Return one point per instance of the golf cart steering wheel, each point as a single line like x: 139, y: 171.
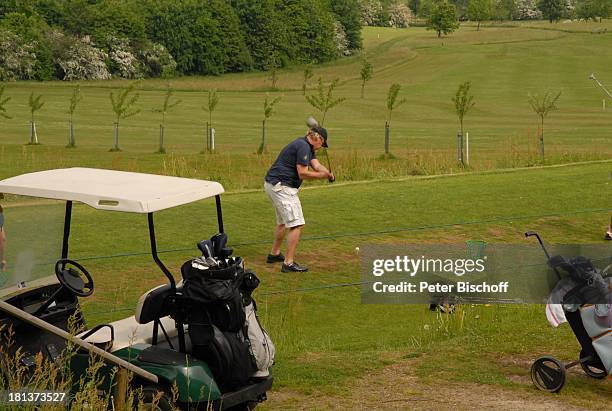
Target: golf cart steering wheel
x: 71, y: 277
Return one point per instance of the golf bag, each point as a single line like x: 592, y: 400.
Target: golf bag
x: 587, y: 305
x: 222, y: 322
x: 262, y: 348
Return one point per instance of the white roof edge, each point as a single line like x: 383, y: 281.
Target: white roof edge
x: 112, y: 190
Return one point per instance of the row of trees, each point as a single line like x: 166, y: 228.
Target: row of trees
x: 442, y: 16
x: 123, y: 103
x: 390, y: 12
x: 100, y: 39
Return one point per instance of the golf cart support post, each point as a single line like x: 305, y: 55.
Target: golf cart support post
x: 113, y: 191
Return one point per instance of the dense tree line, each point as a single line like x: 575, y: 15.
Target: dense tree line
x: 552, y: 10
x: 99, y: 39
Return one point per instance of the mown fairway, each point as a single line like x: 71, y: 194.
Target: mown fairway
x: 503, y: 63
x: 328, y: 342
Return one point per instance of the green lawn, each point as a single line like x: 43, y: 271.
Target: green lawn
x: 326, y: 339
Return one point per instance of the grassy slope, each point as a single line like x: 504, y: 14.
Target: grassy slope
x: 326, y: 338
x: 503, y: 63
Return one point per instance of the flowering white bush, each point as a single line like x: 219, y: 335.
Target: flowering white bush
x: 123, y: 62
x: 527, y: 10
x: 83, y: 61
x: 399, y: 15
x: 340, y: 39
x: 157, y: 61
x: 17, y: 58
x: 371, y: 11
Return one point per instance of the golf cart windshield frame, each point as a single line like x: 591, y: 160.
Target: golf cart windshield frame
x: 152, y: 237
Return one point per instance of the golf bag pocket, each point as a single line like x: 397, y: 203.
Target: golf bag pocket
x: 228, y: 315
x: 227, y: 355
x: 603, y: 347
x: 262, y: 348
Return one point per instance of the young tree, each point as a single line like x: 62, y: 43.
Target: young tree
x: 273, y: 66
x: 392, y: 103
x: 479, y: 11
x: 307, y: 76
x: 268, y: 111
x: 324, y: 101
x: 166, y: 106
x: 35, y: 104
x: 74, y: 100
x: 542, y: 106
x: 442, y: 18
x: 3, y: 101
x: 463, y: 103
x: 366, y: 73
x: 122, y: 104
x: 213, y: 100
x: 552, y: 9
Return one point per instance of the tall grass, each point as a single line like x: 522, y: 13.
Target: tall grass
x: 57, y: 376
x: 246, y: 171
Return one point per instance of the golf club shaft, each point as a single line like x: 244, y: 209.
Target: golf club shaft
x: 329, y: 165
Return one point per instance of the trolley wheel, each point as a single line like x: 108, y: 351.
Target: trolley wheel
x: 593, y: 372
x: 548, y: 374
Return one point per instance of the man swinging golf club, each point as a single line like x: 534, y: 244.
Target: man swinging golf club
x: 282, y: 183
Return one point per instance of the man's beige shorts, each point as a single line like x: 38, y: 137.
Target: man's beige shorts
x: 286, y: 204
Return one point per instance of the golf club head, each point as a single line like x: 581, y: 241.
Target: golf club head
x: 592, y: 76
x: 206, y: 247
x: 311, y: 122
x: 530, y: 233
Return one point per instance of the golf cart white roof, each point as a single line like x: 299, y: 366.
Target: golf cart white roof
x: 112, y: 190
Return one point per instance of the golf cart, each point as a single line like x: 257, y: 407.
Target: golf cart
x: 157, y: 342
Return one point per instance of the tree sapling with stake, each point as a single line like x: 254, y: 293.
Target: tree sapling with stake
x: 324, y: 101
x: 392, y: 103
x: 122, y: 103
x: 3, y: 101
x: 74, y: 101
x: 268, y: 111
x: 542, y: 106
x: 366, y: 73
x: 463, y: 103
x: 213, y: 100
x: 35, y: 104
x: 307, y: 76
x: 164, y: 110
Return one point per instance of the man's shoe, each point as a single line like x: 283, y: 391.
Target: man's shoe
x: 608, y: 236
x: 293, y: 268
x: 279, y: 258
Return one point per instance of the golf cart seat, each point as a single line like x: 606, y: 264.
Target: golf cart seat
x: 152, y: 314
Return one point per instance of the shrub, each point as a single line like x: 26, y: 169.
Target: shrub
x: 371, y: 12
x: 348, y: 12
x: 33, y: 32
x: 340, y: 40
x: 17, y: 58
x: 399, y: 15
x: 123, y: 63
x: 83, y: 61
x: 527, y: 10
x: 157, y: 61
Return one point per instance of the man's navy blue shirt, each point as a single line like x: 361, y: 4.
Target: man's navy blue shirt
x: 284, y: 169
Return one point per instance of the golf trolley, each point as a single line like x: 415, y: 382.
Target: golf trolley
x: 157, y: 343
x: 587, y: 305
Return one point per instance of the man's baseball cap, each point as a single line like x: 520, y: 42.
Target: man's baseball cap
x: 322, y: 132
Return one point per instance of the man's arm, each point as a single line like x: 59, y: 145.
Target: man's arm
x: 317, y: 166
x: 306, y: 174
